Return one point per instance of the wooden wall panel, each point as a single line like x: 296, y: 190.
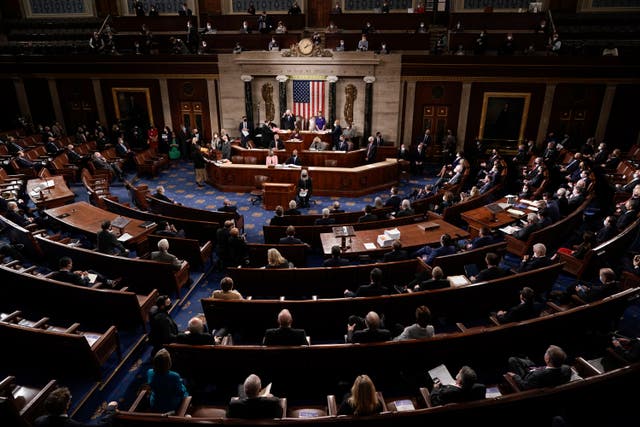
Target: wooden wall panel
x: 477, y: 96
x: 9, y: 110
x: 154, y: 93
x: 39, y: 99
x: 78, y: 102
x: 576, y: 108
x: 623, y: 128
x: 189, y: 90
x: 436, y: 94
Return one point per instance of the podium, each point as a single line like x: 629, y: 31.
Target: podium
x: 344, y: 232
x: 277, y: 193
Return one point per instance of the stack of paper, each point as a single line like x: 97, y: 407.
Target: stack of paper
x: 515, y: 212
x: 124, y: 237
x: 509, y: 229
x: 385, y: 241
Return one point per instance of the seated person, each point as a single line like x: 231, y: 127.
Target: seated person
x: 465, y: 389
x: 276, y: 260
x: 533, y: 224
x: 326, y: 218
x: 108, y: 243
x: 372, y: 332
x: 336, y: 259
x: 528, y: 376
x: 363, y: 399
x: 397, y: 254
x: 493, y: 271
x: 394, y: 200
x: 79, y: 278
x: 272, y: 158
x: 374, y: 288
x: 368, y: 215
x: 428, y: 253
x: 163, y: 255
x: 278, y: 218
x: 607, y: 285
x: 57, y: 405
x: 437, y: 281
x: 226, y: 290
x: 291, y: 238
x: 167, y: 388
x: 294, y: 159
x: 227, y: 206
x: 167, y: 229
x: 318, y: 144
x: 405, y: 209
x: 195, y: 333
x: 292, y: 208
x: 524, y: 310
x: 19, y: 216
x: 336, y: 208
x: 538, y: 260
x: 252, y: 404
x: 447, y: 200
x: 485, y: 238
x: 421, y: 329
x: 285, y: 334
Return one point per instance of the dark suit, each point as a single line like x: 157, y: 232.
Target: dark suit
x: 324, y: 221
x: 394, y: 201
x: 534, y: 263
x: 541, y: 376
x: 480, y: 242
x: 166, y: 257
x: 367, y: 218
x: 109, y: 244
x: 335, y: 262
x: 195, y: 339
x: 606, y: 233
x: 491, y: 273
x: 399, y: 255
x: 288, y: 122
x: 255, y: 408
x: 448, y: 393
x: 285, y: 336
x: 525, y: 232
x: 522, y: 311
x: 290, y: 240
x: 371, y: 290
x: 70, y: 277
x: 434, y: 284
x: 628, y: 187
x: 293, y: 161
x: 371, y: 335
x: 372, y: 149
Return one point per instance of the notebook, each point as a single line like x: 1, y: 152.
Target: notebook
x: 441, y: 373
x: 404, y: 405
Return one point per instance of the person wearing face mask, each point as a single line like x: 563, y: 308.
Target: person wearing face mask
x: 422, y: 28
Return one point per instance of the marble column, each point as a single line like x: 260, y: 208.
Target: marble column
x: 213, y: 105
x: 166, y: 103
x: 332, y: 100
x: 21, y: 96
x: 282, y: 93
x: 55, y: 100
x: 605, y: 112
x: 368, y: 106
x: 248, y: 98
x: 409, y: 106
x: 461, y: 132
x: 545, y: 116
x: 97, y: 94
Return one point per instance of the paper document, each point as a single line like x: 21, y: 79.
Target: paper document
x: 404, y: 405
x: 441, y: 373
x: 510, y: 229
x: 459, y: 280
x: 266, y: 390
x: 92, y: 277
x: 369, y: 246
x: 493, y: 392
x: 124, y: 237
x: 515, y: 212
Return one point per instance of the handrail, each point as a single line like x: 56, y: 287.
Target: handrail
x: 553, y: 25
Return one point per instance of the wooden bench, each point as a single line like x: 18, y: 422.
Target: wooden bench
x: 141, y: 275
x: 21, y: 235
x: 249, y: 318
x: 64, y: 301
x: 491, y: 346
x: 69, y: 350
x: 311, y: 233
x: 187, y: 212
x: 203, y: 231
x: 454, y: 264
x: 340, y: 218
x: 26, y: 402
x: 552, y: 236
x: 323, y: 282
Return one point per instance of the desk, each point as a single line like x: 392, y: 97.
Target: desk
x: 483, y: 217
x: 87, y: 219
x: 411, y: 237
x: 276, y: 193
x: 56, y: 195
x: 327, y: 181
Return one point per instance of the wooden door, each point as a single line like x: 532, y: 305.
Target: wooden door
x: 318, y: 12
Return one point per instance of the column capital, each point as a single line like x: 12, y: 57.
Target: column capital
x: 246, y: 78
x: 332, y: 79
x: 369, y: 79
x: 282, y: 78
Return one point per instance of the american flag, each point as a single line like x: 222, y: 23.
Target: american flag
x: 308, y: 97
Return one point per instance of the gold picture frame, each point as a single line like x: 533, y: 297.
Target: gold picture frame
x: 504, y: 116
x: 133, y: 104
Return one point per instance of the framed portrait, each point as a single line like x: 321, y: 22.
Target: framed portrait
x: 504, y: 116
x: 132, y: 105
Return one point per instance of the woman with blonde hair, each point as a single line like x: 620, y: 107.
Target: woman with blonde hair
x: 362, y: 400
x: 276, y: 260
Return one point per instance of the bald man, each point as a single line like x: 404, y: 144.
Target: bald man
x: 195, y: 333
x: 285, y: 334
x: 373, y: 332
